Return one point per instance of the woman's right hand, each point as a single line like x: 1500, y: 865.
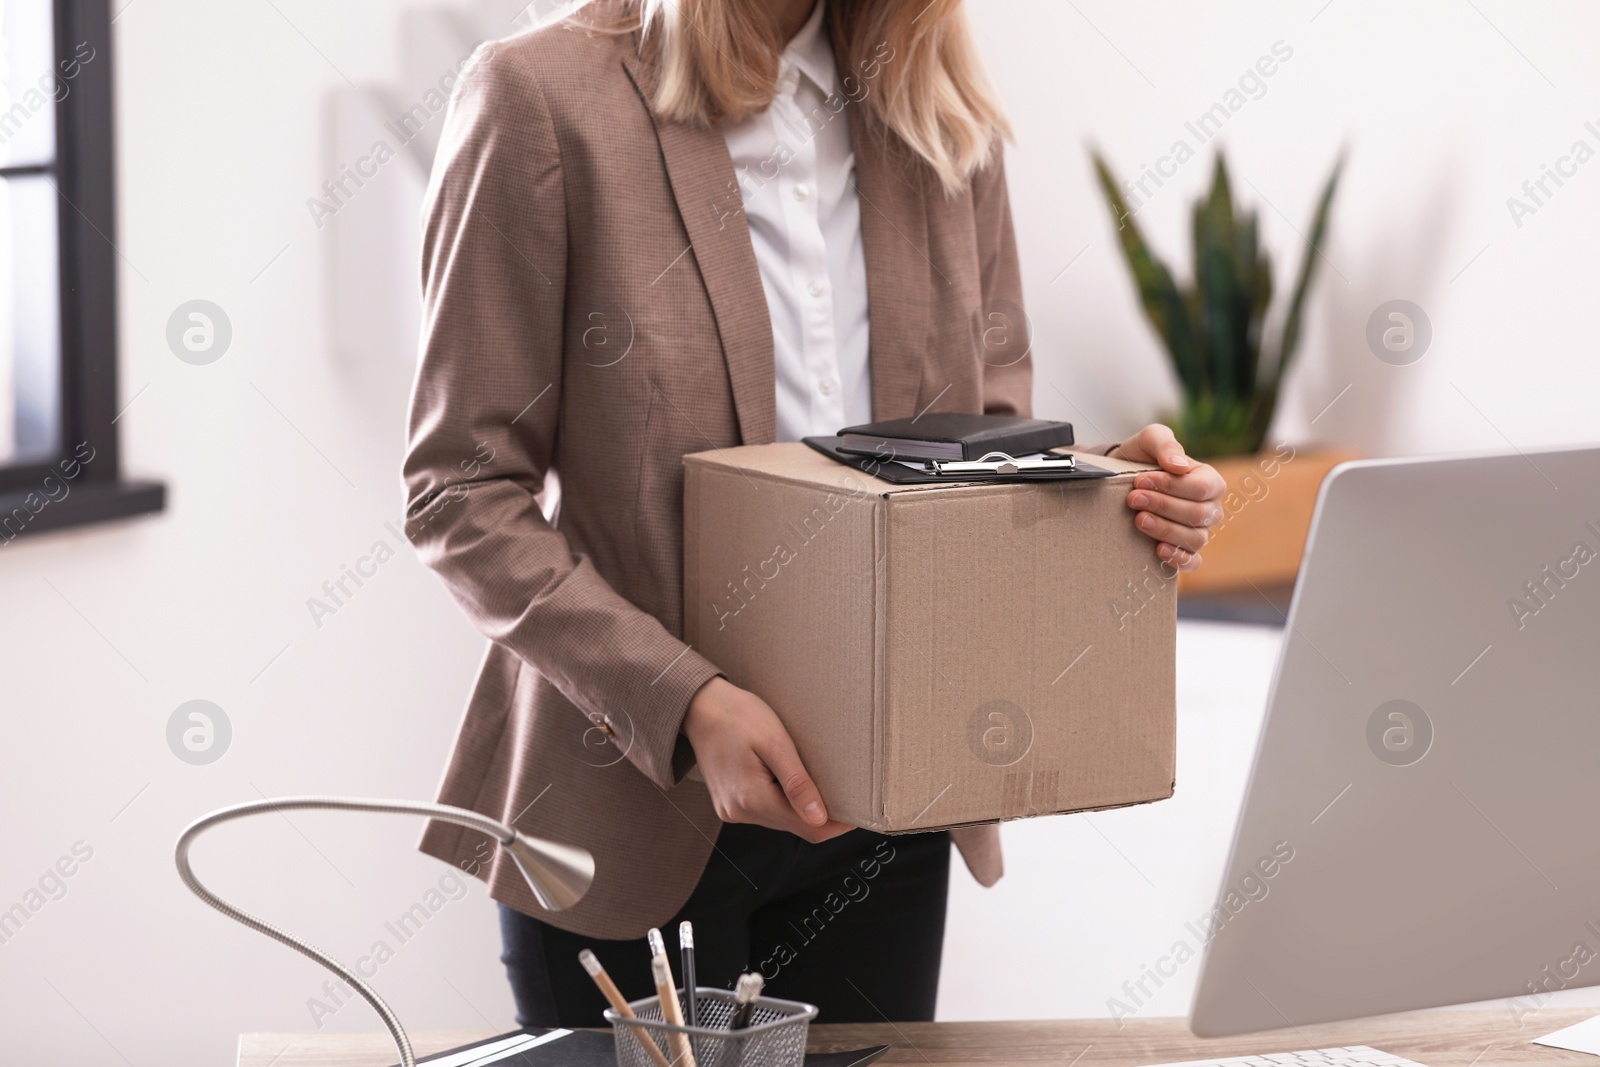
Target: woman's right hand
x: 750, y: 764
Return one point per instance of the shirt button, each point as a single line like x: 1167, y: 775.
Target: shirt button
x: 826, y: 386
x: 802, y: 192
x: 816, y: 289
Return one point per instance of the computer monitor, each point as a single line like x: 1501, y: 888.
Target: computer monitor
x: 1422, y: 823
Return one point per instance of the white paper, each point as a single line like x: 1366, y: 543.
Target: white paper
x: 496, y: 1050
x: 1584, y: 1037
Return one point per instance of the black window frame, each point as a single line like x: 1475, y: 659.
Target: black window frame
x: 83, y: 172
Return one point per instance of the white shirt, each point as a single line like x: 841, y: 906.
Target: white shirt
x: 796, y: 173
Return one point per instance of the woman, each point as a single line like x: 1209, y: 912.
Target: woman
x: 752, y: 221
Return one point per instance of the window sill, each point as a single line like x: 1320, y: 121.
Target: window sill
x: 84, y: 505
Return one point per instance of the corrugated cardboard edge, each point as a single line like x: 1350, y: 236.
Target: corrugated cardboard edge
x: 880, y: 658
x: 1171, y: 792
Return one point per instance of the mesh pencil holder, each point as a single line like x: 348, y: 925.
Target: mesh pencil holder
x: 776, y: 1036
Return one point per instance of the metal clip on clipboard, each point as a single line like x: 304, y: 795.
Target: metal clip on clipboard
x: 1000, y: 463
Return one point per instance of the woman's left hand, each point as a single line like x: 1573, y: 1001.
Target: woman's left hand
x: 1176, y: 505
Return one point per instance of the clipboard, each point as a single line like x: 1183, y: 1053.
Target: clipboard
x: 916, y: 472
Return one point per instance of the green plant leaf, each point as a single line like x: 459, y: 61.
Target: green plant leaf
x: 1222, y: 303
x: 1214, y: 330
x: 1254, y: 267
x: 1290, y: 342
x: 1208, y: 426
x: 1163, y: 304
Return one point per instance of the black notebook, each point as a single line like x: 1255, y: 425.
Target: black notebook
x: 586, y: 1048
x: 951, y: 435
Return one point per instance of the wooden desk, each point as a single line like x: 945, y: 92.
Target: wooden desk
x: 1436, y: 1039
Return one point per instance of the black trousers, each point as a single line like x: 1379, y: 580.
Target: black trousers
x: 854, y: 925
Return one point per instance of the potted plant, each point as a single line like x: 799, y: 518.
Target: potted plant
x: 1230, y: 373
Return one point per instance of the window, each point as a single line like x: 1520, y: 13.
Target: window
x: 59, y: 460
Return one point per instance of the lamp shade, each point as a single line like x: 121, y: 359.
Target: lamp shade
x: 558, y: 874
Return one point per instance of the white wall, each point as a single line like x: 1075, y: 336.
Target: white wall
x: 281, y: 459
x: 1446, y: 108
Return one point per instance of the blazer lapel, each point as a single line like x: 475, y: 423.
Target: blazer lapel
x: 707, y: 192
x: 894, y: 236
x: 900, y: 277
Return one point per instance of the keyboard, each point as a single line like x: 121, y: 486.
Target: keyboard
x: 1354, y: 1056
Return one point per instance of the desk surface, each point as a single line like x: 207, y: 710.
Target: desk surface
x: 1436, y: 1039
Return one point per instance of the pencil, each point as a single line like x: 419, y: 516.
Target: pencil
x: 686, y: 947
x: 682, y: 1054
x: 671, y: 1012
x: 619, y: 1004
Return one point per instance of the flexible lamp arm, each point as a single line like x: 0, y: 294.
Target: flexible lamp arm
x: 559, y: 875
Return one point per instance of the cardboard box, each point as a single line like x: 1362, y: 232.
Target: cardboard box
x: 943, y: 654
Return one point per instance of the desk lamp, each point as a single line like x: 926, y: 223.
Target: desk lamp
x: 559, y: 876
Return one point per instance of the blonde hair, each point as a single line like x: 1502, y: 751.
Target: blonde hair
x: 910, y: 64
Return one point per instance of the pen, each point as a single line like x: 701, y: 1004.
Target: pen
x: 671, y: 1013
x: 619, y: 1004
x: 686, y: 946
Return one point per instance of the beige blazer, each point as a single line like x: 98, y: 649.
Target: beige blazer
x: 594, y: 312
